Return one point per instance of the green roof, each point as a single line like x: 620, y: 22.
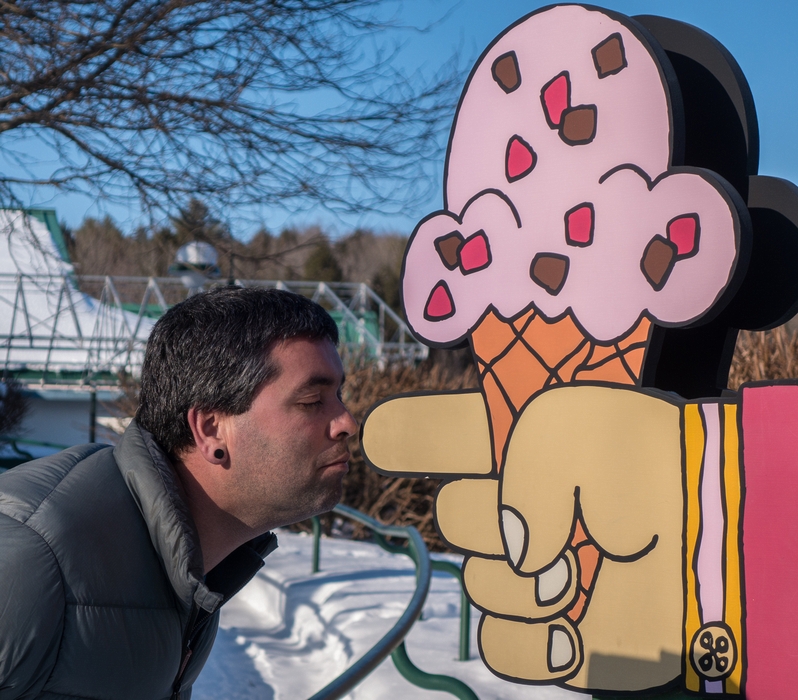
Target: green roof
x: 50, y: 220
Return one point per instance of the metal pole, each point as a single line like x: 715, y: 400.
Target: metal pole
x: 465, y: 626
x: 93, y: 415
x: 316, y: 542
x: 465, y: 606
x: 430, y: 681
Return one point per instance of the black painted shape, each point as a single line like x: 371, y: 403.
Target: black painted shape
x: 693, y: 362
x: 773, y: 269
x: 685, y: 40
x: 715, y: 137
x: 721, y: 134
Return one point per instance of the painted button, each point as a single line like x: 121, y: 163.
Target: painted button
x: 713, y: 652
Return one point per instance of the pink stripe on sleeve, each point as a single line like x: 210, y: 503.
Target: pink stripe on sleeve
x: 710, y: 548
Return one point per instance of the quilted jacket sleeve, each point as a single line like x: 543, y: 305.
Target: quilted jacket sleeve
x: 31, y: 610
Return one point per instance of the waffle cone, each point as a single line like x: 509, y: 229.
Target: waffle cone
x: 518, y: 359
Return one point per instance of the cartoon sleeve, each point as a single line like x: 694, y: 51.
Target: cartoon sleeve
x: 31, y: 611
x: 770, y: 538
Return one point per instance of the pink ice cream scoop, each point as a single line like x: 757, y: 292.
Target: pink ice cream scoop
x: 560, y: 194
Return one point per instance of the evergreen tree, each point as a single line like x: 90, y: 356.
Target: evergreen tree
x: 321, y: 265
x: 195, y: 223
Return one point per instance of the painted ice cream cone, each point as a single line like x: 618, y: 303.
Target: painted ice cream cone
x: 566, y: 232
x: 518, y: 359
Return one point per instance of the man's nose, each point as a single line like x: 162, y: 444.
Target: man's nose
x: 344, y: 425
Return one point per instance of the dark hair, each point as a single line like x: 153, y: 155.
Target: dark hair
x: 211, y: 352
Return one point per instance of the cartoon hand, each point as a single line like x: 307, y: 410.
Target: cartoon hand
x: 609, y: 455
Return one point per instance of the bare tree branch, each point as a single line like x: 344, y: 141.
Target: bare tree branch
x: 275, y: 102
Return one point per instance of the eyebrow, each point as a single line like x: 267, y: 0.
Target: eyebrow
x: 321, y: 380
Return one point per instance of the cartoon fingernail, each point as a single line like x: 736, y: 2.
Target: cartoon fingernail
x: 515, y: 536
x: 553, y: 582
x: 561, y: 648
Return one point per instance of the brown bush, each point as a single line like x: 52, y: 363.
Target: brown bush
x: 764, y: 355
x: 400, y: 501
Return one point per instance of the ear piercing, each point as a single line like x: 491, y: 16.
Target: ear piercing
x: 219, y: 454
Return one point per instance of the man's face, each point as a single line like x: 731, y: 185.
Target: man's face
x: 288, y: 452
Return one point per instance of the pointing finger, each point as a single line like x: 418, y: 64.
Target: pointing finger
x: 429, y: 434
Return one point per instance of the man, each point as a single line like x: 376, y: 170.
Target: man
x: 114, y: 562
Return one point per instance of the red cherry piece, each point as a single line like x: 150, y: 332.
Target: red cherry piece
x: 683, y: 233
x: 555, y: 99
x: 474, y: 253
x: 579, y: 225
x: 520, y: 158
x: 439, y: 304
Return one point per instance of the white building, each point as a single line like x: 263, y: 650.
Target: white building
x: 66, y: 347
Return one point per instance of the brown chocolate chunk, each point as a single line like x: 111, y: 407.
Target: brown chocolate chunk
x: 447, y: 247
x: 578, y: 125
x: 609, y: 57
x: 550, y: 271
x: 658, y: 261
x: 506, y: 72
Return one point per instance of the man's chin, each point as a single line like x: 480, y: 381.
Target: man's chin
x: 330, y: 498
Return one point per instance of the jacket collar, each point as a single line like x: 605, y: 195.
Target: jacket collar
x: 154, y: 485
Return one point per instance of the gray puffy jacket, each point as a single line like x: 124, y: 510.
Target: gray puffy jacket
x: 101, y: 587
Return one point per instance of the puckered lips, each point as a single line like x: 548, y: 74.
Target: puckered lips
x: 341, y: 460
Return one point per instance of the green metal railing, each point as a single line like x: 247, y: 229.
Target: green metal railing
x: 393, y: 642
x: 24, y: 441
x: 465, y: 606
x: 446, y: 567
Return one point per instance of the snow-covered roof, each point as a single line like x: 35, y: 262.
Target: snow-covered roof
x: 47, y: 325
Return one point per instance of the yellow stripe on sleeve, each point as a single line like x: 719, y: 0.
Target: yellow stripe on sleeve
x: 733, y: 613
x: 694, y: 455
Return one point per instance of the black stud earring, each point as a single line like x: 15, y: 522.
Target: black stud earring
x: 219, y: 454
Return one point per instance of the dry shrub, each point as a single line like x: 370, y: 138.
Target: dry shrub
x: 399, y: 501
x: 764, y: 355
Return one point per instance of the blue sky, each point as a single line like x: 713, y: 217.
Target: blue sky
x: 761, y: 37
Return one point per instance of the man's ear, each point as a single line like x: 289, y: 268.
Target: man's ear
x: 208, y: 429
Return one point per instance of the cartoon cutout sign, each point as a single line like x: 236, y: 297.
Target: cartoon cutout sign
x: 603, y: 525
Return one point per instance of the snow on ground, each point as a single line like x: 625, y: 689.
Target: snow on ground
x: 289, y: 632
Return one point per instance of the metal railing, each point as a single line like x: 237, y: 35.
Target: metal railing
x: 393, y: 641
x: 85, y: 330
x: 399, y: 654
x: 446, y: 567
